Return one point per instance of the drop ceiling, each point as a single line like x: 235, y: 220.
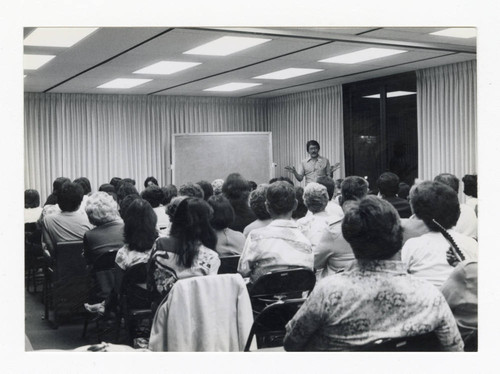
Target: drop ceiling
x: 110, y: 53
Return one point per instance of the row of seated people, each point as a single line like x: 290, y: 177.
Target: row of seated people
x: 268, y: 238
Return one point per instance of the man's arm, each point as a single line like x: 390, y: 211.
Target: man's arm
x: 299, y: 174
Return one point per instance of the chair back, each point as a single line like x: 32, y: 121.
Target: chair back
x: 229, y: 264
x: 105, y: 261
x: 419, y: 343
x: 69, y: 261
x: 104, y: 275
x: 203, y: 314
x: 282, y: 283
x: 269, y: 326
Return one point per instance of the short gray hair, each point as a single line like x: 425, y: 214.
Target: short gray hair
x: 101, y: 208
x: 315, y: 197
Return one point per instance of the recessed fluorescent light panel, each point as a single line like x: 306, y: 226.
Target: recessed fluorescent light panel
x: 226, y: 45
x: 391, y: 94
x: 232, y: 87
x: 124, y: 83
x: 33, y: 62
x: 57, y: 36
x: 288, y: 73
x: 166, y: 67
x: 363, y: 55
x: 457, y: 32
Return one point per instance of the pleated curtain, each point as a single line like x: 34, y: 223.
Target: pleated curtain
x: 447, y: 131
x: 294, y: 119
x: 101, y: 136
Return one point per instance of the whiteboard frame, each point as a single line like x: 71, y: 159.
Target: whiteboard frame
x: 270, y: 148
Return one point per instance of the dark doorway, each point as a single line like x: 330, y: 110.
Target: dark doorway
x: 380, y: 127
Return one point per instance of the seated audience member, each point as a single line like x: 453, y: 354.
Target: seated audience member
x: 188, y: 252
x: 301, y: 210
x: 281, y: 179
x: 150, y: 181
x: 69, y: 224
x: 470, y: 191
x: 333, y: 253
x: 169, y: 193
x: 128, y: 180
x: 467, y: 221
x: 403, y: 190
x: 425, y: 256
x: 102, y: 211
x: 257, y: 202
x: 32, y: 208
x: 56, y: 188
x: 125, y: 203
x: 413, y: 226
x: 252, y: 185
x: 336, y: 195
x: 87, y: 189
x: 107, y: 187
x: 388, y: 187
x: 207, y: 188
x: 333, y: 208
x: 154, y: 195
x: 460, y: 291
x: 375, y: 297
x: 236, y: 190
x: 124, y: 190
x: 281, y: 244
x: 115, y: 182
x: 217, y: 186
x: 229, y: 242
x: 191, y: 190
x: 316, y: 200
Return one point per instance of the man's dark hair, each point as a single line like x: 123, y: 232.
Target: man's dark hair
x: 150, y: 179
x: 153, y: 195
x: 85, y: 184
x: 388, y: 184
x: 236, y: 187
x: 70, y: 197
x: 353, y: 188
x: 470, y: 185
x: 207, y: 188
x: 311, y: 142
x: 329, y: 183
x: 31, y: 199
x: 280, y: 198
x: 281, y: 179
x: 115, y: 182
x: 449, y: 180
x: 107, y: 187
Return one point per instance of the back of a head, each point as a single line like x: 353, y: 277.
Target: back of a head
x: 223, y: 212
x: 115, y: 182
x: 140, y: 225
x: 404, y: 190
x: 58, y: 184
x: 329, y: 183
x: 257, y: 202
x: 449, y: 180
x: 252, y: 185
x: 169, y: 192
x: 353, y: 188
x: 435, y: 200
x: 388, y: 184
x: 281, y: 179
x: 101, y: 208
x: 153, y: 195
x: 125, y: 203
x: 172, y: 206
x: 125, y: 190
x: 207, y: 188
x: 190, y: 189
x: 470, y: 185
x: 31, y: 199
x: 280, y: 198
x: 70, y: 197
x: 128, y: 180
x: 301, y: 210
x: 315, y: 197
x: 150, y: 181
x: 235, y: 187
x: 372, y: 228
x: 107, y: 187
x: 85, y: 183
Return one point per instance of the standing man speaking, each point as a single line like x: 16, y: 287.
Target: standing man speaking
x: 314, y: 166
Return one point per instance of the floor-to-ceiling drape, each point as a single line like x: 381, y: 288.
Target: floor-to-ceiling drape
x: 101, y: 136
x: 295, y: 119
x: 447, y: 132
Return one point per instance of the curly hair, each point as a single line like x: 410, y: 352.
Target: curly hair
x: 207, y: 188
x: 140, y: 226
x: 153, y: 195
x: 169, y: 192
x: 223, y: 212
x: 280, y: 198
x: 191, y: 227
x: 191, y: 190
x: 31, y: 199
x: 373, y: 229
x: 236, y: 187
x: 435, y: 200
x: 258, y: 202
x: 101, y: 208
x: 315, y: 197
x: 217, y: 186
x: 388, y: 184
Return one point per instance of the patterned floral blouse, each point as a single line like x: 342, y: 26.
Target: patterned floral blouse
x: 369, y: 301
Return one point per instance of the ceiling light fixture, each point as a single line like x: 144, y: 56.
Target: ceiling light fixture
x: 33, y: 62
x: 124, y: 83
x: 362, y: 55
x: 457, y: 32
x: 391, y: 94
x: 57, y: 36
x: 166, y: 67
x: 235, y: 86
x: 288, y: 73
x: 226, y: 45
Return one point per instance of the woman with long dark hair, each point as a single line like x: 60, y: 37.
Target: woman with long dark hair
x: 188, y: 252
